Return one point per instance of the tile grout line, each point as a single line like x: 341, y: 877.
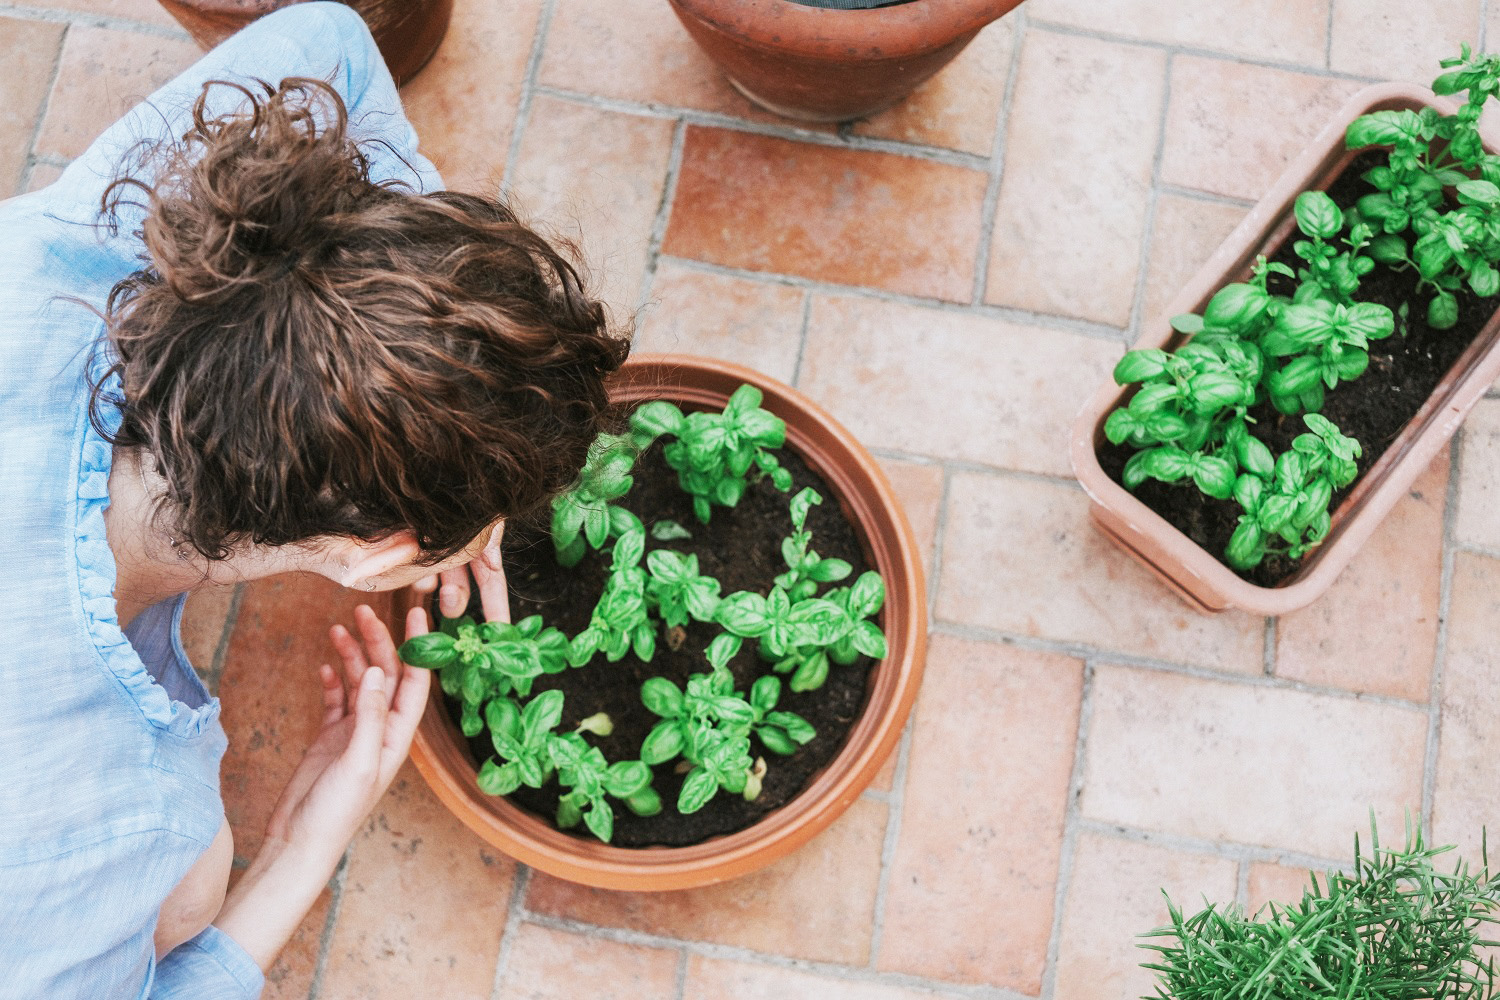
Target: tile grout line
x: 1268, y: 652
x: 998, y: 144
x: 1440, y: 649
x: 1068, y: 850
x: 731, y: 123
x: 1080, y: 650
x: 1242, y: 884
x: 87, y: 20
x: 807, y: 298
x: 1201, y: 53
x: 515, y: 914
x: 966, y: 465
x: 680, y: 987
x: 663, y: 217
x: 42, y: 110
x: 1153, y: 194
x: 325, y: 939
x: 1228, y: 849
x: 736, y: 953
x: 1211, y: 197
x: 221, y: 650
x: 895, y: 803
x: 1082, y: 327
x: 1484, y: 19
x: 1328, y: 38
x: 528, y: 90
x: 1476, y: 550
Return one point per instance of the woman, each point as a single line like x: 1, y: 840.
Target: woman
x: 291, y: 352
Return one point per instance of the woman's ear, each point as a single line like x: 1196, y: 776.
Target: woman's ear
x: 360, y: 565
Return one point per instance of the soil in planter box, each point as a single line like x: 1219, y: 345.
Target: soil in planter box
x: 1372, y: 409
x: 741, y: 548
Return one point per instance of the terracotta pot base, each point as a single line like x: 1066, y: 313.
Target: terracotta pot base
x: 440, y: 751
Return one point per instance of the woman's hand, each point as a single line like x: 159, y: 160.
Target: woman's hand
x: 453, y: 585
x: 370, y: 713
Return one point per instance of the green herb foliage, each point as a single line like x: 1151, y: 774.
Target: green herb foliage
x: 586, y: 516
x: 1188, y: 422
x: 715, y: 453
x: 1395, y: 928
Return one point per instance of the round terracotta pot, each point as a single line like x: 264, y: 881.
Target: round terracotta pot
x: 818, y: 64
x: 407, y: 31
x: 863, y: 494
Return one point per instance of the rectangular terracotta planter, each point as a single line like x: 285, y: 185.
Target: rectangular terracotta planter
x: 1195, y: 574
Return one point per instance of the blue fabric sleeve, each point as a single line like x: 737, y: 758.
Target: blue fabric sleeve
x: 324, y: 40
x: 212, y: 966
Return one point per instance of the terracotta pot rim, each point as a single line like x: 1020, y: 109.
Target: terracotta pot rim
x: 885, y: 33
x: 1198, y: 575
x: 438, y: 748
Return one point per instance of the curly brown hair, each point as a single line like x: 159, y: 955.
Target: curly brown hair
x: 310, y: 353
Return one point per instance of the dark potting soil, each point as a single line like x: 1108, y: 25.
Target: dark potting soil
x: 1373, y: 409
x: 741, y: 548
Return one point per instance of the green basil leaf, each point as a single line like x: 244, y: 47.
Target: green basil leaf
x: 1248, y: 490
x: 1237, y: 308
x: 1442, y: 312
x: 596, y: 526
x: 669, y: 531
x: 568, y: 814
x: 541, y: 715
x: 431, y: 651
x: 645, y: 802
x: 1246, y: 545
x: 699, y: 787
x: 744, y: 613
x: 530, y: 770
x: 867, y: 595
x: 1317, y: 215
x: 830, y: 570
x: 1120, y: 425
x: 1138, y: 366
x: 1298, y: 375
x: 600, y: 819
x: 1478, y: 193
x: 1254, y: 456
x: 765, y: 692
x: 627, y: 777
x: 811, y: 673
x: 497, y: 779
x: 503, y: 716
x: 776, y: 740
x: 656, y: 418
x: 722, y: 649
x: 795, y: 726
x: 803, y: 502
x: 664, y: 742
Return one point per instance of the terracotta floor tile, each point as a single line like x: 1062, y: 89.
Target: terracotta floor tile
x: 424, y: 903
x: 1478, y: 521
x: 1467, y: 796
x: 829, y: 885
x: 465, y: 118
x: 1213, y: 145
x: 720, y: 979
x: 28, y: 51
x: 919, y: 487
x: 972, y: 884
x: 1281, y: 884
x: 1072, y: 207
x: 203, y: 622
x: 42, y: 174
x: 1186, y: 233
x: 272, y: 700
x: 1248, y: 764
x: 1389, y: 39
x: 1283, y: 30
x: 1114, y: 896
x: 104, y: 73
x: 839, y: 215
x: 545, y: 964
x: 958, y: 108
x: 607, y: 200
x: 635, y: 50
x: 755, y: 323
x: 1023, y: 556
x: 885, y: 778
x: 1394, y: 580
x: 1010, y: 390
x: 145, y: 11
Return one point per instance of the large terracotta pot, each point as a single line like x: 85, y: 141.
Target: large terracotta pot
x: 818, y: 64
x: 1197, y: 575
x: 859, y: 487
x: 407, y: 31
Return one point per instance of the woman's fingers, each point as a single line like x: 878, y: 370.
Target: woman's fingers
x: 453, y: 592
x: 380, y: 650
x: 350, y: 652
x: 494, y: 596
x: 334, y: 704
x: 370, y: 705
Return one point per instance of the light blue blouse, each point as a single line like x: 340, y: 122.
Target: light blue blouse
x: 109, y: 744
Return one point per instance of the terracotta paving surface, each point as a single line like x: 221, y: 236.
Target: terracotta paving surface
x: 949, y: 278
